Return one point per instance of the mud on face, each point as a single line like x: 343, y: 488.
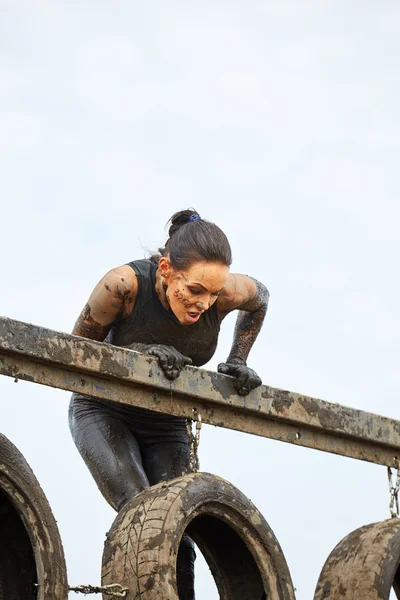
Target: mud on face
x: 195, y: 290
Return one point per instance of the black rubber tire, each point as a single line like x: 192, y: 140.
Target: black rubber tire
x: 364, y: 565
x: 242, y: 551
x: 32, y: 564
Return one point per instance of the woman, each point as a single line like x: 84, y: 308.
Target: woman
x: 171, y: 307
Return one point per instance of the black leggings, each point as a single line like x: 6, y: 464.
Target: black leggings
x: 128, y: 449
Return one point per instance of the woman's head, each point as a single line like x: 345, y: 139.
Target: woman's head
x: 192, y: 239
x: 194, y: 265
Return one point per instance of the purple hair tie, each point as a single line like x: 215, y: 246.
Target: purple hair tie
x: 195, y: 218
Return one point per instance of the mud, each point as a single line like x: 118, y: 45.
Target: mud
x: 31, y: 555
x: 90, y: 352
x: 87, y: 327
x: 14, y: 372
x: 244, y: 556
x: 363, y: 566
x: 126, y: 448
x: 222, y: 385
x: 181, y: 297
x: 109, y: 365
x: 249, y: 322
x: 281, y: 404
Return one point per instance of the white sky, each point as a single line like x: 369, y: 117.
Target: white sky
x: 279, y: 121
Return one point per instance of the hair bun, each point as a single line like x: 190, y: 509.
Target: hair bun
x: 181, y: 218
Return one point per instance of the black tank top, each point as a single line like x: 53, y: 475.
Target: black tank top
x: 151, y: 323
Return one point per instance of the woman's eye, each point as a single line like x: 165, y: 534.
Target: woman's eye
x: 194, y: 292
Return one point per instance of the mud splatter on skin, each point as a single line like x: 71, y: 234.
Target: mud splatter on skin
x: 179, y: 295
x: 248, y: 324
x: 214, y: 295
x: 87, y: 327
x: 121, y: 295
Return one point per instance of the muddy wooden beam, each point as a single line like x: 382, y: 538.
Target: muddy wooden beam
x: 119, y: 375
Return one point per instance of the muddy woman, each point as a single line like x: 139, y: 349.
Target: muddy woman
x: 170, y: 306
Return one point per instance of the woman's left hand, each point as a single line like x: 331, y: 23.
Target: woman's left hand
x: 245, y: 378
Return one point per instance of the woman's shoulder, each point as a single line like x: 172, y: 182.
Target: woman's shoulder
x: 121, y: 283
x: 144, y: 267
x: 239, y: 289
x: 123, y: 278
x: 236, y: 290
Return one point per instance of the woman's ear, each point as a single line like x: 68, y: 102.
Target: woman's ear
x: 165, y: 268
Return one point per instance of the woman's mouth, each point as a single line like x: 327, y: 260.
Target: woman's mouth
x: 193, y: 317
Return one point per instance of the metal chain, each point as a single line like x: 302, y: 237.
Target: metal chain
x: 107, y: 590
x: 394, y: 492
x: 197, y: 439
x: 194, y: 441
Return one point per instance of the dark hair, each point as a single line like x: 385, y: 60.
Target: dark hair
x: 192, y: 239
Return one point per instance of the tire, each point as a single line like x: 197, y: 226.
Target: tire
x: 364, y: 565
x: 32, y: 564
x: 242, y: 552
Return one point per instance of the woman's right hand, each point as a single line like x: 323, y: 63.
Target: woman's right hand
x: 170, y: 360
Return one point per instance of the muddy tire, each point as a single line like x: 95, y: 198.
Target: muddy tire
x: 32, y: 564
x: 242, y: 552
x: 364, y: 565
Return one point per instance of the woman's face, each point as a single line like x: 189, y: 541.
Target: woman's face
x: 192, y: 291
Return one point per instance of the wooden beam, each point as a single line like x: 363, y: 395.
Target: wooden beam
x: 120, y: 375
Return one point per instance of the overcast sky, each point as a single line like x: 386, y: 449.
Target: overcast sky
x: 277, y: 120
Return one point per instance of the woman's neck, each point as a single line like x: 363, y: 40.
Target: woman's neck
x: 161, y: 290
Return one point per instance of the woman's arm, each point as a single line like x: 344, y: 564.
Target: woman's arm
x: 114, y: 296
x: 250, y: 297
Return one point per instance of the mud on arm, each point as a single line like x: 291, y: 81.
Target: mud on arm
x: 112, y: 298
x: 250, y: 298
x: 248, y: 324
